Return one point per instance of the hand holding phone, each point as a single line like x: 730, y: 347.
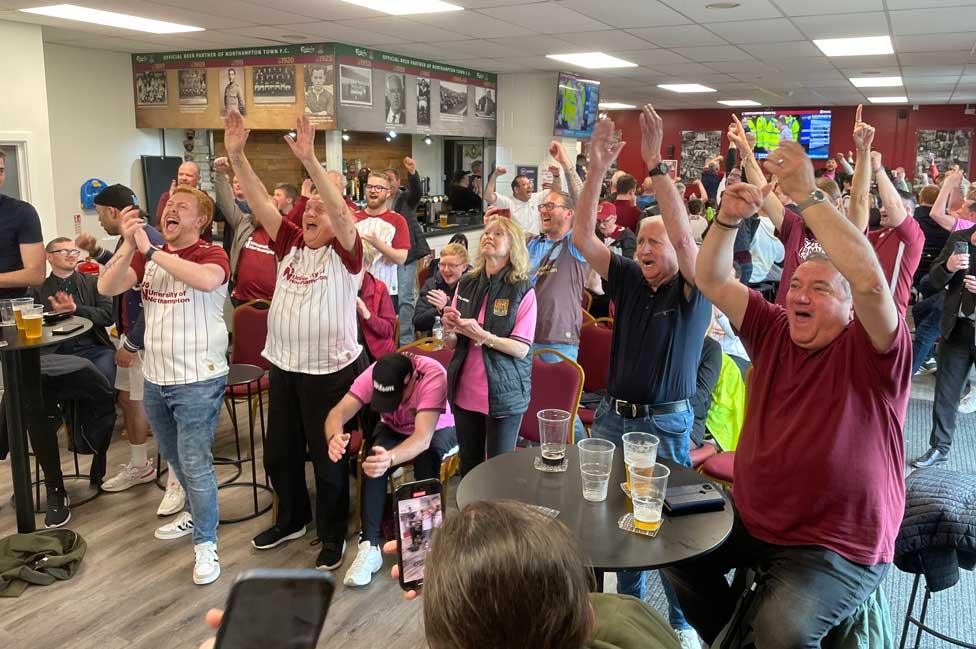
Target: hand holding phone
x: 418, y: 512
x: 959, y: 259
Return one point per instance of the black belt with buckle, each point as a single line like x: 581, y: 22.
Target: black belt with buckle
x: 635, y: 410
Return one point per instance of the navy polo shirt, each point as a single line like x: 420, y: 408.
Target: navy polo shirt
x: 19, y: 224
x: 657, y: 336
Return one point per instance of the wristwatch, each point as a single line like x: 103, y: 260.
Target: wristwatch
x: 815, y: 198
x: 660, y: 170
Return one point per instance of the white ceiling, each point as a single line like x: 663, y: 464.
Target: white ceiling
x: 759, y: 50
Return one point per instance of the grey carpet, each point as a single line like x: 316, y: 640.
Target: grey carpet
x: 952, y: 611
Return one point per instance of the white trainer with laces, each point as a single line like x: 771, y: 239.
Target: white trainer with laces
x: 206, y: 567
x: 968, y: 403
x: 176, y: 528
x: 689, y: 638
x: 129, y: 476
x: 367, y: 562
x: 173, y: 499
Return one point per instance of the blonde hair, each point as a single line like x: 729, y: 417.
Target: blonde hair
x: 518, y: 255
x: 829, y: 187
x: 455, y: 250
x: 204, y: 203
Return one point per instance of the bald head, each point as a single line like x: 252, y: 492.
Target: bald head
x: 188, y: 174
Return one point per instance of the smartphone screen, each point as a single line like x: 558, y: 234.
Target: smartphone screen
x: 276, y: 609
x: 419, y: 513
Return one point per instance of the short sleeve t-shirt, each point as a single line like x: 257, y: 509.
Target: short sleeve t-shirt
x: 628, y: 215
x: 559, y: 272
x: 186, y: 336
x: 899, y: 251
x: 474, y: 396
x: 256, y: 268
x: 820, y: 460
x: 429, y: 393
x: 657, y: 336
x: 798, y: 242
x: 391, y: 228
x: 19, y: 225
x: 312, y: 326
x: 524, y: 213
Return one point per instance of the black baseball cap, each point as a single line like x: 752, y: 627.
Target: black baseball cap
x: 390, y: 376
x: 117, y: 196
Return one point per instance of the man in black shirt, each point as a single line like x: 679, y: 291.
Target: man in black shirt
x: 927, y: 312
x: 21, y: 247
x: 404, y: 202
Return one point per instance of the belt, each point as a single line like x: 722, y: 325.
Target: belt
x: 635, y: 410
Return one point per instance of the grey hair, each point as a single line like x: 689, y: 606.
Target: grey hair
x: 821, y: 257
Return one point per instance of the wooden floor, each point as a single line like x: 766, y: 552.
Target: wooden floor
x: 134, y: 591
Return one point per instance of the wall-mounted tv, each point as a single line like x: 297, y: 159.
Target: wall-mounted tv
x: 577, y: 105
x: 811, y: 128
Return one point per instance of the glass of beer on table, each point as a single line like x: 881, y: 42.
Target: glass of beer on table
x: 33, y: 320
x: 640, y: 449
x: 20, y: 304
x: 553, y: 431
x: 648, y: 485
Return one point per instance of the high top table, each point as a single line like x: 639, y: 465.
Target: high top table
x: 605, y: 546
x: 21, y: 358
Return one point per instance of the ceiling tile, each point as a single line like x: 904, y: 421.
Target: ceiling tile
x: 546, y: 17
x: 613, y: 39
x: 494, y: 65
x: 539, y: 44
x: 843, y: 25
x: 746, y: 10
x: 652, y: 58
x: 244, y: 11
x: 776, y: 51
x: 912, y: 4
x: 678, y: 36
x: 319, y: 9
x: 481, y: 26
x: 398, y: 27
x: 473, y: 47
x: 684, y: 69
x: 715, y: 53
x: 929, y: 97
x: 932, y: 21
x: 628, y: 13
x: 640, y: 73
x: 936, y: 58
x: 929, y: 43
x: 939, y: 70
x: 916, y: 83
x: 824, y: 7
x: 963, y: 97
x: 866, y: 64
x: 328, y: 31
x: 478, y: 4
x: 775, y: 30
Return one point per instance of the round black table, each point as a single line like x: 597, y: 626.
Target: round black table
x: 606, y: 547
x: 21, y: 359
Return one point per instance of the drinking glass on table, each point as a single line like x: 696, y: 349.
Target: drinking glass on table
x: 648, y: 485
x: 553, y: 431
x: 7, y: 313
x: 21, y: 303
x: 640, y: 449
x: 33, y: 320
x: 596, y: 459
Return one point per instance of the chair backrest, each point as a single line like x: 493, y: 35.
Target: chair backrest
x: 587, y: 300
x: 250, y: 329
x: 554, y: 385
x: 606, y: 323
x: 594, y: 355
x: 587, y: 318
x: 423, y: 269
x: 432, y: 348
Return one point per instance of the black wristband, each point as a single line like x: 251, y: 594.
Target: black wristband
x: 719, y: 223
x: 149, y: 253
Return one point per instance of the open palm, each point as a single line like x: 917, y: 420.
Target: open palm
x: 303, y: 144
x: 235, y: 135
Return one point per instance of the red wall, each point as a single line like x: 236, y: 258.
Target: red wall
x: 894, y: 136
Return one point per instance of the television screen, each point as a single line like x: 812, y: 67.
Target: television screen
x: 811, y: 128
x: 577, y: 104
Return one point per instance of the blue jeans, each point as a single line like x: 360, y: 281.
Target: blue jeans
x: 674, y: 432
x: 928, y: 317
x: 102, y: 357
x: 407, y: 294
x: 183, y: 418
x: 570, y: 351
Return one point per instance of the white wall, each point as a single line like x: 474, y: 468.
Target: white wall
x: 430, y: 160
x: 93, y: 131
x: 24, y: 112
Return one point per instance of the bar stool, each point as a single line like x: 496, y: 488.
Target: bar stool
x: 77, y: 485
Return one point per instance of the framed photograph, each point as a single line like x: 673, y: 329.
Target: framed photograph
x: 355, y: 85
x: 423, y: 101
x: 454, y: 100
x: 395, y: 102
x: 319, y: 90
x: 151, y: 88
x: 231, y: 84
x: 193, y: 87
x: 485, y: 104
x: 273, y: 84
x: 697, y: 148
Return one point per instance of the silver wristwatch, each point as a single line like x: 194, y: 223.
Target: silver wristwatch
x: 815, y: 198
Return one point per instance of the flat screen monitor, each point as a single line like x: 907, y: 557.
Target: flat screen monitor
x: 577, y: 106
x: 811, y: 128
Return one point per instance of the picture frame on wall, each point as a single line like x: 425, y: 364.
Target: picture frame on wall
x: 193, y: 87
x: 232, y: 96
x: 151, y: 90
x: 319, y: 92
x: 355, y: 85
x: 273, y: 84
x: 423, y: 101
x: 395, y: 99
x: 453, y: 100
x: 485, y: 104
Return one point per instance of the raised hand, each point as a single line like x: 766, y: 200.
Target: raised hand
x: 558, y: 153
x: 875, y: 161
x: 86, y: 242
x: 740, y: 201
x: 953, y: 178
x: 652, y: 134
x: 410, y: 164
x: 307, y: 186
x: 863, y: 133
x: 603, y: 147
x: 793, y: 169
x: 131, y: 222
x: 500, y: 171
x: 437, y: 298
x: 235, y: 135
x: 737, y: 135
x: 303, y: 145
x: 222, y: 165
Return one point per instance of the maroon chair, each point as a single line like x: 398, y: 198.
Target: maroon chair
x: 250, y: 331
x: 554, y: 385
x: 594, y: 358
x: 430, y: 347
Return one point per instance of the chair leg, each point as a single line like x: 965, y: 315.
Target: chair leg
x: 908, y: 613
x: 921, y: 618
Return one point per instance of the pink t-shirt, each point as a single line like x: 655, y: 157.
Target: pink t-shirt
x: 962, y: 224
x: 429, y: 393
x: 820, y: 460
x: 472, y: 393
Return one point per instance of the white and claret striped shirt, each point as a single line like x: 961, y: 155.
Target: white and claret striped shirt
x: 186, y: 336
x: 312, y: 325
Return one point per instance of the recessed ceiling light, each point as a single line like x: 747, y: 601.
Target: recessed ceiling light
x: 111, y: 19
x: 875, y: 82
x: 400, y: 8
x: 739, y: 102
x: 592, y: 60
x: 722, y: 5
x: 888, y: 100
x: 867, y: 46
x: 685, y: 87
x: 614, y: 105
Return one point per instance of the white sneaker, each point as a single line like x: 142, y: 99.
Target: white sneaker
x: 173, y: 499
x: 176, y: 528
x: 368, y: 561
x: 968, y: 403
x: 689, y: 638
x: 129, y: 476
x: 206, y: 567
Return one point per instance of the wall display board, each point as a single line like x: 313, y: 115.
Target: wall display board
x: 379, y: 91
x: 946, y: 148
x: 271, y: 86
x: 697, y: 148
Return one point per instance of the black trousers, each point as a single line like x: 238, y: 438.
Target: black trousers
x: 957, y: 353
x: 481, y: 435
x: 427, y: 465
x: 298, y: 406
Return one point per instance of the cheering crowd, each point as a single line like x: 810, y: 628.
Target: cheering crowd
x: 819, y: 486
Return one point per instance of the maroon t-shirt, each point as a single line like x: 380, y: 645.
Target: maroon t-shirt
x: 628, y: 214
x: 797, y: 242
x: 899, y: 251
x: 256, y: 268
x: 820, y: 460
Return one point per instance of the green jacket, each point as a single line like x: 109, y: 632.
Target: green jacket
x: 39, y: 558
x: 624, y: 622
x: 728, y: 410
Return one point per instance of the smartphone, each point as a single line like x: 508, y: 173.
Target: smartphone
x: 64, y: 330
x: 276, y: 609
x: 960, y: 247
x: 419, y: 512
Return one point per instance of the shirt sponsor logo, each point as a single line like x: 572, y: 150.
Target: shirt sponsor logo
x: 164, y: 297
x: 500, y: 307
x: 251, y: 244
x: 290, y: 276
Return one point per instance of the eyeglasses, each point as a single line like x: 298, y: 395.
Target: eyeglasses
x: 446, y: 265
x: 550, y: 206
x: 376, y: 188
x: 66, y: 252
